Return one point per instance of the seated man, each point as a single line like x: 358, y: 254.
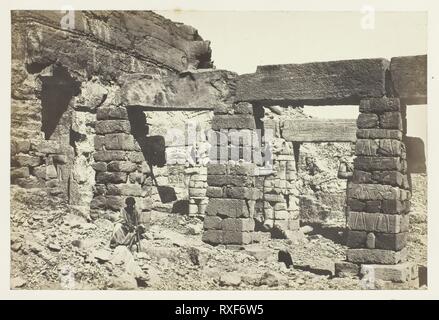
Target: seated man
x: 127, y: 229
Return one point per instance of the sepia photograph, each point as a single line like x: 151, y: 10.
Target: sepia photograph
x: 180, y: 150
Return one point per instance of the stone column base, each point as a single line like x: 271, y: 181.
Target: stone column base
x: 381, y: 276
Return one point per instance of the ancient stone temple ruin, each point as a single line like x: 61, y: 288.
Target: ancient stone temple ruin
x: 130, y: 104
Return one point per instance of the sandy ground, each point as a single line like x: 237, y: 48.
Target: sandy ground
x: 52, y: 248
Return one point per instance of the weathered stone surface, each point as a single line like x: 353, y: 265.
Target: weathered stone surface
x: 216, y: 169
x: 99, y: 166
x: 372, y: 206
x: 233, y: 208
x: 115, y: 203
x: 362, y: 177
x: 214, y: 192
x: 243, y: 193
x: 402, y: 272
x: 119, y: 141
x: 345, y: 268
x: 379, y: 105
x: 102, y: 255
x: 197, y: 192
x: 367, y: 121
x: 123, y: 166
x: 99, y: 189
x: 230, y: 279
x: 92, y: 95
x: 377, y: 163
x: 334, y: 82
x: 319, y: 130
x: 19, y: 173
x: 19, y: 146
x: 273, y: 197
x: 196, y: 184
x: 193, y: 89
x: 212, y: 236
x: 39, y: 172
x: 238, y: 224
x: 389, y: 241
x: 46, y: 146
x: 99, y: 142
x: 391, y: 120
x: 381, y: 147
x: 244, y: 169
x: 98, y: 202
x: 237, y: 237
x: 356, y: 205
x: 137, y: 157
x: 240, y: 181
x: 109, y: 155
x: 111, y: 177
x: 108, y: 113
x: 220, y: 180
x: 242, y: 108
x: 395, y: 206
x: 409, y: 78
x: 373, y: 192
x: 387, y: 223
x: 233, y: 122
x: 393, y: 178
x: 377, y: 256
x: 379, y: 134
x: 130, y: 189
x: 25, y: 160
x: 356, y: 239
x: 116, y: 39
x: 212, y: 222
x: 112, y: 126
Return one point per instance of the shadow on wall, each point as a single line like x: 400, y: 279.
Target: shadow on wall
x: 153, y: 149
x: 181, y: 207
x: 416, y: 160
x: 57, y: 91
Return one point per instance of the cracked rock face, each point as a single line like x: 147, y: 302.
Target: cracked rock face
x: 109, y: 43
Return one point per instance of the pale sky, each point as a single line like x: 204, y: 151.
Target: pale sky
x: 242, y: 40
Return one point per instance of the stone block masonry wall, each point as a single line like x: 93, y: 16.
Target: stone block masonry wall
x: 39, y: 164
x: 281, y: 202
x: 198, y: 199
x: 231, y: 177
x: 186, y: 151
x: 379, y: 193
x: 121, y: 169
x: 232, y: 198
x: 42, y: 149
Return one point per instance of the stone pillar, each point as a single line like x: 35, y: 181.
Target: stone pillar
x: 197, y: 190
x: 231, y: 178
x: 281, y: 204
x: 120, y: 165
x: 379, y: 194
